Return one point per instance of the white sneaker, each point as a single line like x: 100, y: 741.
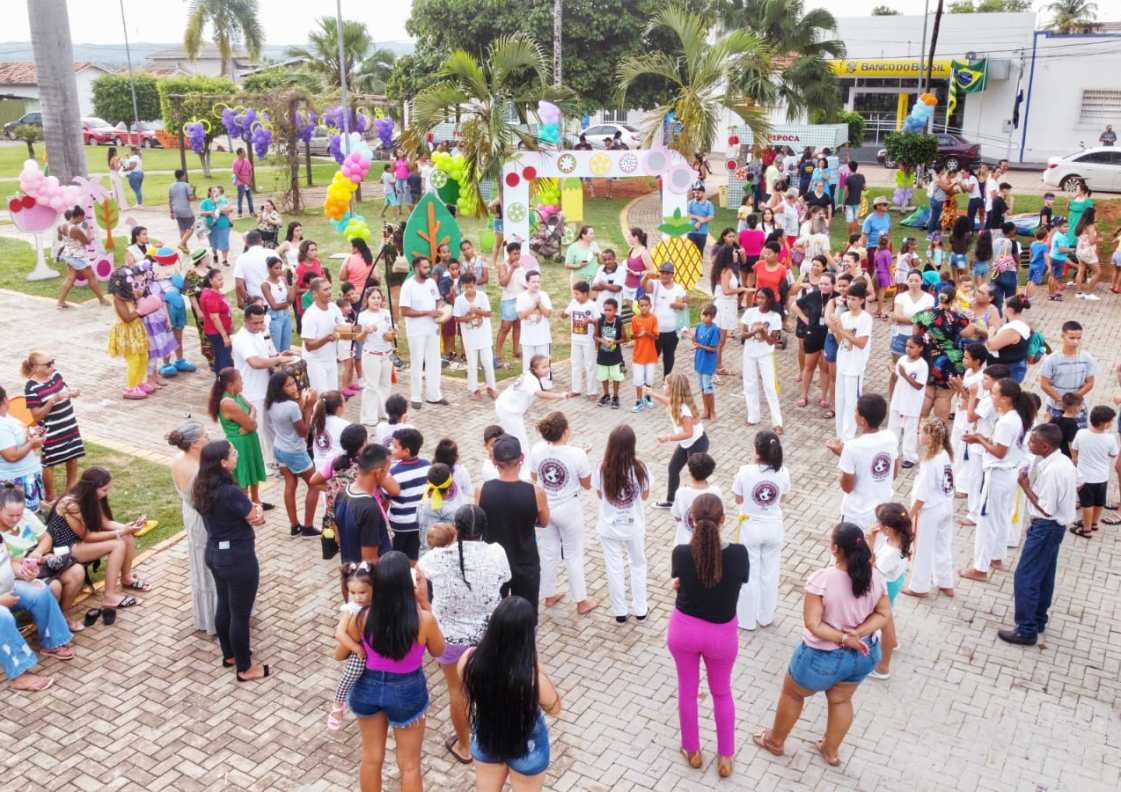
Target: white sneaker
x: 1091, y: 297
x: 1079, y: 296
x: 877, y: 675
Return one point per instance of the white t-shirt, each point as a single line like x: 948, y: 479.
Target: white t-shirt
x: 698, y: 428
x: 616, y: 278
x: 870, y: 458
x: 1009, y: 432
x: 377, y: 324
x: 970, y: 184
x: 761, y: 488
x: 518, y: 397
x: 992, y: 187
x: 327, y: 444
x: 905, y: 400
x: 318, y: 323
x: 383, y: 432
x: 623, y: 520
x: 559, y: 469
x: 662, y: 298
x: 753, y: 347
x: 851, y: 360
x: 582, y: 318
x: 907, y: 306
x: 1096, y: 452
x: 476, y: 333
x: 934, y: 482
x: 891, y: 562
x: 251, y: 267
x: 515, y: 286
x: 255, y: 381
x: 420, y: 297
x: 683, y: 504
x: 535, y: 327
x: 986, y: 420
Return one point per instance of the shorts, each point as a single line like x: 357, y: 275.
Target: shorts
x: 508, y: 310
x: 402, y: 697
x: 899, y: 344
x: 32, y: 486
x: 77, y: 263
x: 644, y: 373
x: 814, y: 341
x: 407, y: 542
x: 830, y: 348
x: 893, y: 588
x: 296, y: 461
x: 980, y: 269
x: 707, y: 383
x: 820, y: 669
x: 958, y: 261
x: 534, y: 762
x: 852, y: 213
x: 1090, y: 495
x: 612, y: 373
x: 1036, y: 274
x: 1058, y: 268
x: 452, y: 653
x: 185, y: 223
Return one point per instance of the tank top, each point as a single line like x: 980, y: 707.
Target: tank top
x: 511, y: 508
x: 1019, y: 351
x: 279, y: 293
x: 635, y: 268
x: 71, y: 246
x: 406, y: 665
x: 731, y: 299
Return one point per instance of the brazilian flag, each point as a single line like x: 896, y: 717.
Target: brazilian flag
x: 966, y: 78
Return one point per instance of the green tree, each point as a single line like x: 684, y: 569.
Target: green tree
x: 514, y: 76
x: 990, y: 6
x: 1072, y: 16
x: 699, y: 79
x: 233, y: 23
x: 112, y: 98
x: 280, y: 77
x: 30, y: 134
x: 801, y: 40
x: 195, y: 98
x: 322, y: 53
x: 412, y: 74
x: 373, y: 74
x: 883, y: 10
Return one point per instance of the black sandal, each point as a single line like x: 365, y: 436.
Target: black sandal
x: 265, y: 675
x: 92, y: 615
x: 109, y: 616
x: 1082, y: 531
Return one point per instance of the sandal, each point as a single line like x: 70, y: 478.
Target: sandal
x: 92, y: 615
x: 265, y: 675
x: 449, y: 743
x: 1111, y: 520
x: 137, y: 584
x: 335, y: 717
x: 760, y: 739
x: 1079, y: 530
x: 109, y: 616
x: 829, y: 414
x: 61, y: 653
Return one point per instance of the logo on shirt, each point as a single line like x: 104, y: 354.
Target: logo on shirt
x: 626, y: 497
x: 947, y: 480
x: 881, y: 466
x: 554, y: 475
x: 765, y: 494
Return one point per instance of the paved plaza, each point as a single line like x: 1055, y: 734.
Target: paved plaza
x: 146, y: 705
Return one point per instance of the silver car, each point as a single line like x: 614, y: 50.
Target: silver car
x: 1099, y: 167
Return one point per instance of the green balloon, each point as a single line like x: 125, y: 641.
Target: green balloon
x: 486, y: 239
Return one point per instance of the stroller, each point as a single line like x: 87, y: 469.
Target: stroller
x: 546, y: 239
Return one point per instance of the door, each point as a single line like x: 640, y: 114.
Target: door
x: 1096, y: 170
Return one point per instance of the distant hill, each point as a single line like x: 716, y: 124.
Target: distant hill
x: 114, y: 54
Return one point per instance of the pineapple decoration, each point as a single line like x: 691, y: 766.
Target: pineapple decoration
x: 678, y: 250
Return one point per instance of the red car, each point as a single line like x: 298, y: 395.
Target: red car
x: 145, y: 137
x: 98, y: 132
x: 954, y: 152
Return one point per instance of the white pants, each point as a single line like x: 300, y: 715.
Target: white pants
x: 424, y: 361
x: 961, y: 464
x: 846, y: 392
x: 644, y: 373
x: 323, y: 375
x: 563, y: 537
x: 377, y: 377
x: 484, y: 357
x: 863, y: 520
x: 906, y: 428
x: 933, y: 562
x: 513, y: 423
x: 583, y: 360
x: 974, y: 479
x: 759, y: 596
x: 1017, y: 522
x: 634, y: 550
x: 264, y: 429
x: 993, y: 528
x: 754, y: 370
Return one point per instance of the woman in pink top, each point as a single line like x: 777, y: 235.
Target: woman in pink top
x: 392, y: 691
x: 359, y: 266
x: 846, y: 604
x: 639, y: 265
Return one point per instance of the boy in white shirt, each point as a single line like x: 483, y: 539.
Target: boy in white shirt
x: 868, y: 464
x: 582, y: 314
x: 1094, y: 451
x: 534, y: 307
x: 907, y: 398
x: 853, y: 331
x: 700, y: 466
x: 472, y: 312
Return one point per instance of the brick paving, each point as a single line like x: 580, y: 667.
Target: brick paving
x: 145, y: 705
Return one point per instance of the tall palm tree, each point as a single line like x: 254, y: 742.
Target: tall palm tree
x: 803, y: 45
x: 702, y: 78
x: 374, y: 71
x: 322, y: 54
x: 58, y: 87
x: 1072, y: 16
x: 493, y: 100
x: 234, y: 22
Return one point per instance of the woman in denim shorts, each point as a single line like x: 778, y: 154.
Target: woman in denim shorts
x: 846, y: 605
x: 392, y: 691
x: 508, y: 696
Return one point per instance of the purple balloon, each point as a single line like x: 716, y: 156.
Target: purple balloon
x: 305, y: 126
x: 262, y: 137
x: 334, y: 147
x: 384, y: 126
x: 230, y: 121
x: 196, y: 136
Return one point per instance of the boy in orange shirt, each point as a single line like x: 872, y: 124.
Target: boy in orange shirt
x: 644, y: 329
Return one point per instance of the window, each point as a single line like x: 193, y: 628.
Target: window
x: 1097, y: 157
x: 1099, y: 106
x: 614, y: 116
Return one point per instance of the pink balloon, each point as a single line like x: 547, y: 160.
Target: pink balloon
x: 57, y: 203
x: 52, y: 183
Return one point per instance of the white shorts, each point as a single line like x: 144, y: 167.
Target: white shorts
x: 644, y: 373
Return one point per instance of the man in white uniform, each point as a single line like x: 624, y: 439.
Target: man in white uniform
x: 420, y: 305
x: 254, y: 356
x: 868, y: 464
x: 319, y: 333
x: 250, y: 269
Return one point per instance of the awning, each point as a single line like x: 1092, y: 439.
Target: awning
x: 888, y: 67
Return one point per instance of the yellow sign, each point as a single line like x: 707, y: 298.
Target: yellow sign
x: 888, y: 67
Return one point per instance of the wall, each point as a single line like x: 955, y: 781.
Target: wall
x: 85, y: 80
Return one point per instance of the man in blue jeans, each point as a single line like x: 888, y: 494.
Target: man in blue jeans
x: 1052, y: 496
x: 701, y: 213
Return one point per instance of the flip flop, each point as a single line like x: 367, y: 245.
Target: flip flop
x: 760, y: 739
x: 149, y: 526
x: 92, y: 615
x: 1085, y: 533
x: 834, y: 762
x: 61, y: 653
x: 138, y: 584
x: 1111, y: 520
x: 449, y: 743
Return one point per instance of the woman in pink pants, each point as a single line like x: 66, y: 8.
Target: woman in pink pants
x: 703, y: 625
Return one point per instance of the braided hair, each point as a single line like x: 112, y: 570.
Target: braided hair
x: 470, y: 524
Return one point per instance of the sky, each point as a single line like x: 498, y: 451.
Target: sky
x: 288, y: 21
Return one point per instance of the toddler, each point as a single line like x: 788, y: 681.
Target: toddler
x: 360, y: 592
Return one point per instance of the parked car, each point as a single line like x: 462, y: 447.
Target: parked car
x: 953, y: 151
x: 144, y: 136
x: 33, y: 119
x: 599, y: 134
x: 1099, y: 167
x: 98, y: 132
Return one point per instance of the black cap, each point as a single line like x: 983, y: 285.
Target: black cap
x: 507, y: 448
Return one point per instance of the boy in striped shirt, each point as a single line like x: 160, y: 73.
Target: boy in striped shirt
x: 411, y: 474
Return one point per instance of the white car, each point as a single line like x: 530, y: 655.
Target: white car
x: 1099, y: 167
x: 599, y: 134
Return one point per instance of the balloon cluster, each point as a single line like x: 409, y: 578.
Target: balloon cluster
x: 335, y: 148
x: 355, y: 167
x: 549, y: 129
x: 305, y: 126
x: 354, y: 227
x: 261, y: 138
x: 920, y: 114
x: 384, y: 127
x: 196, y: 136
x: 231, y: 123
x: 339, y: 192
x: 47, y: 190
x: 333, y: 117
x: 452, y: 183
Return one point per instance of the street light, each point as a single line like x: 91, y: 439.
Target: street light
x: 131, y: 85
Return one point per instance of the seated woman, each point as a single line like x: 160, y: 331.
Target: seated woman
x: 82, y: 521
x: 19, y: 455
x: 28, y: 542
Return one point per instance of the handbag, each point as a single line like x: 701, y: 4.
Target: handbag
x: 328, y: 544
x: 148, y: 304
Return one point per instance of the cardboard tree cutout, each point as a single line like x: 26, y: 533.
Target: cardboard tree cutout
x: 430, y: 225
x: 106, y: 214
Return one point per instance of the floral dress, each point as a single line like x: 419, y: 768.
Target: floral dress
x: 192, y: 288
x: 942, y: 328
x: 161, y: 341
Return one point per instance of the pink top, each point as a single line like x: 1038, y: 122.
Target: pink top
x: 411, y: 662
x: 842, y: 611
x: 401, y: 169
x: 243, y: 171
x: 635, y: 269
x: 751, y: 240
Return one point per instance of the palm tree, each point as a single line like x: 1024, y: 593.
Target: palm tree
x: 803, y: 47
x: 493, y: 101
x: 374, y: 71
x: 58, y: 88
x: 234, y: 22
x: 1073, y: 16
x: 322, y: 56
x: 703, y: 79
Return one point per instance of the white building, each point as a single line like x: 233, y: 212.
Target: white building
x: 208, y: 62
x: 19, y: 82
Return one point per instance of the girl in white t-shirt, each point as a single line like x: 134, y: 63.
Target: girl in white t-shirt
x: 965, y: 387
x: 513, y: 403
x: 853, y: 330
x: 377, y: 357
x: 562, y: 470
x: 894, y: 535
x: 622, y: 483
x: 700, y: 466
x: 688, y: 431
x: 912, y: 371
x: 472, y: 312
x: 932, y: 513
x: 327, y: 426
x: 758, y: 489
x: 396, y: 417
x: 534, y: 307
x: 762, y: 330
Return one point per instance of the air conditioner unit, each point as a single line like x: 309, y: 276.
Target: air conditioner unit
x: 999, y: 68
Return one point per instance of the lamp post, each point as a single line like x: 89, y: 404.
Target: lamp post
x: 131, y: 84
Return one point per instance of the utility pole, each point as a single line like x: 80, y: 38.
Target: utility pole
x: 342, y: 75
x: 131, y: 84
x: 558, y: 10
x: 922, y: 50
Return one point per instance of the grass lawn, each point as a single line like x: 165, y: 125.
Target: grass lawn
x: 97, y: 159
x: 17, y: 258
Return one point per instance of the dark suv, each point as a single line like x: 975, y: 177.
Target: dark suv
x: 953, y: 152
x: 34, y: 119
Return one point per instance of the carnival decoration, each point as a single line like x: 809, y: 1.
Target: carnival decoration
x: 384, y: 128
x: 106, y: 214
x: 429, y: 226
x: 920, y: 114
x: 196, y: 132
x: 550, y: 117
x: 305, y: 125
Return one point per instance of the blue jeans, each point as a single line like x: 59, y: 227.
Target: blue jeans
x: 136, y: 182
x: 280, y: 329
x: 1034, y: 582
x: 1004, y: 286
x: 246, y: 191
x: 535, y: 760
x: 935, y: 221
x: 223, y: 355
x: 974, y: 207
x: 50, y: 623
x: 402, y: 697
x: 822, y: 669
x: 699, y: 239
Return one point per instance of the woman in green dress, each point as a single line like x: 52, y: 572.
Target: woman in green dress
x: 1081, y: 201
x: 239, y: 422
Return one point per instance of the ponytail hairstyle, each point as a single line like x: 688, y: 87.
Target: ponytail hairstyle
x: 353, y: 439
x: 395, y: 408
x: 27, y: 365
x: 639, y: 234
x: 328, y: 404
x: 470, y: 524
x: 359, y: 572
x: 939, y: 435
x: 1018, y: 302
x: 705, y: 516
x: 849, y: 539
x: 894, y: 516
x: 446, y: 453
x: 553, y: 426
x: 768, y: 450
x: 226, y: 377
x: 1021, y: 403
